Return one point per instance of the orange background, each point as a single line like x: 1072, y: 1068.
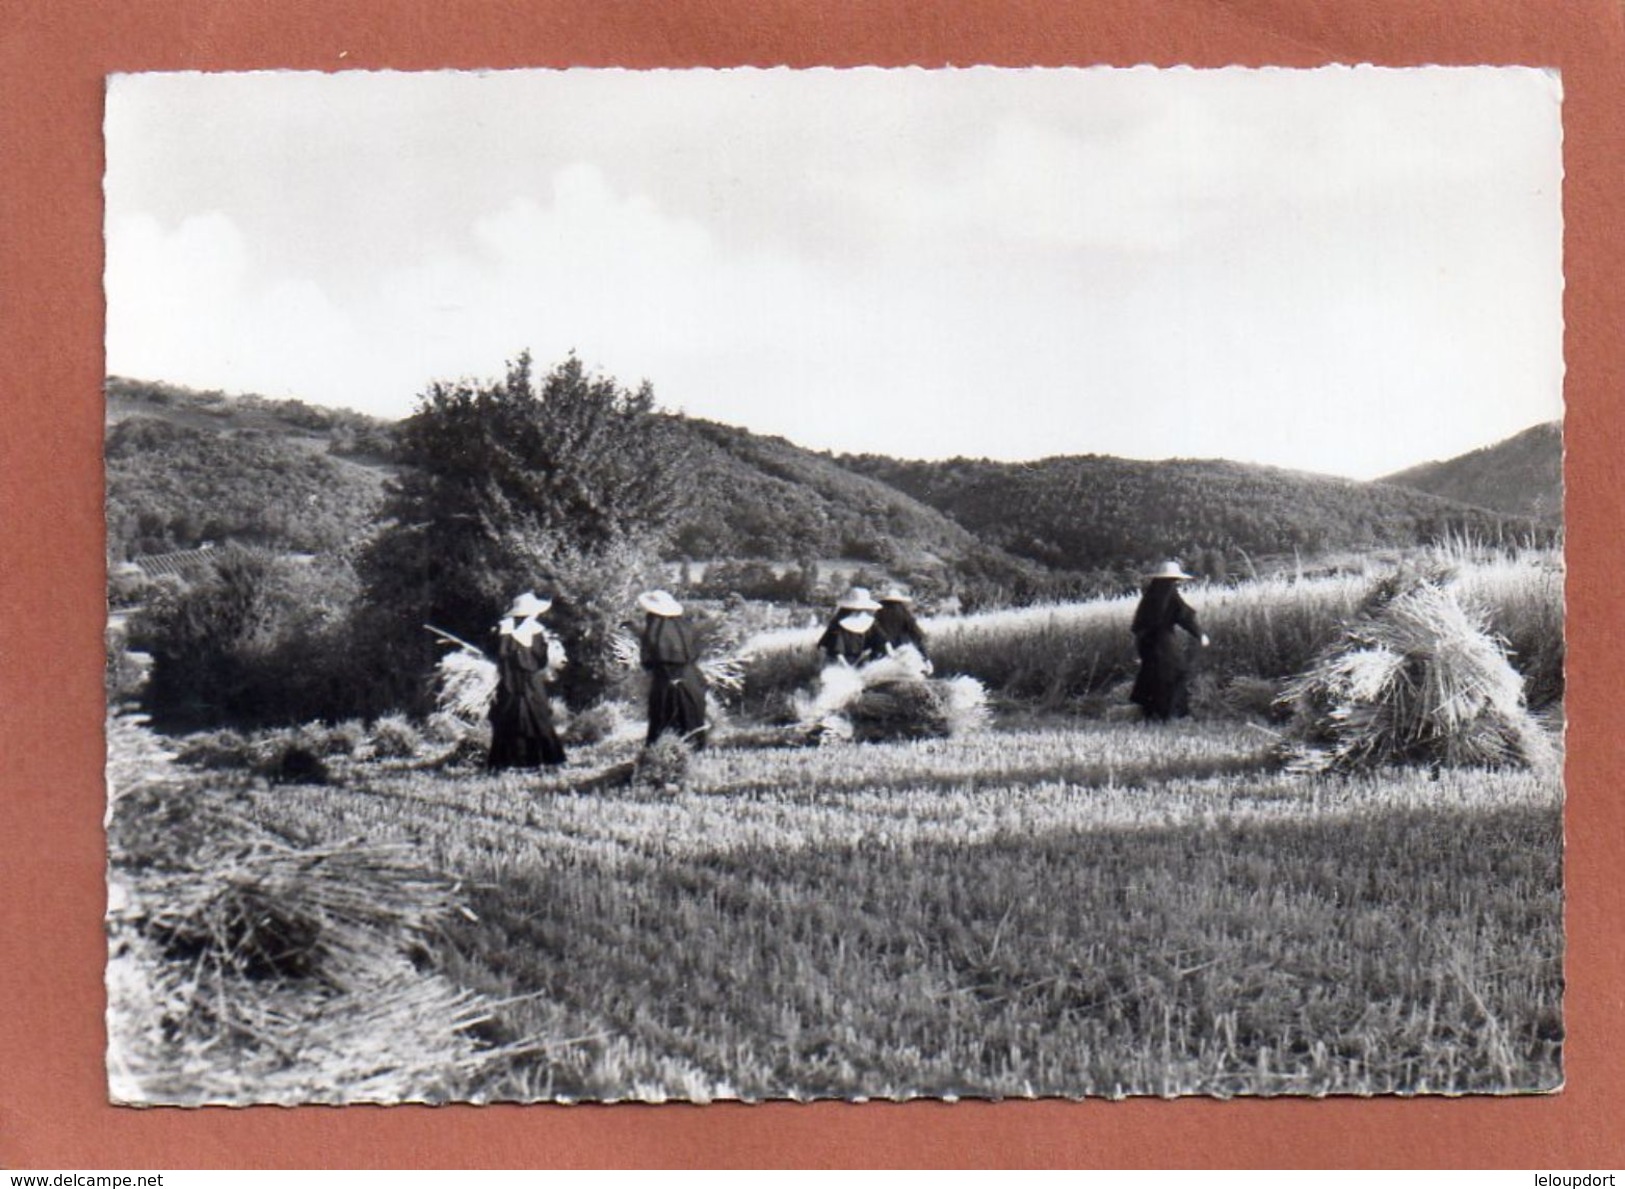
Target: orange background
x: 53, y: 56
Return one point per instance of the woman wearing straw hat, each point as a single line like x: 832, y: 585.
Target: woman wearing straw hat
x: 676, y: 685
x: 522, y: 734
x: 895, y: 625
x: 1161, y: 688
x: 849, y: 639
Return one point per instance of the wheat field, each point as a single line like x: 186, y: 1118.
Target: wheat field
x: 1267, y: 629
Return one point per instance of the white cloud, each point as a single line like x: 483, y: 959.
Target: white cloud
x: 185, y: 306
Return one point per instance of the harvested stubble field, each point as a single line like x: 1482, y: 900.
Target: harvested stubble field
x: 1084, y: 908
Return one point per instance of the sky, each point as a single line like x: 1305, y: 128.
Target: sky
x: 1344, y: 270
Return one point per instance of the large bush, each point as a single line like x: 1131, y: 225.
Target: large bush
x: 569, y: 484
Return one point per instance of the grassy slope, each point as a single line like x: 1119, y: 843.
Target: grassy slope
x: 1522, y: 476
x: 1105, y: 910
x: 172, y: 486
x: 313, y: 427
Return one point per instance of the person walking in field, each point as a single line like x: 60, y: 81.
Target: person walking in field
x: 849, y: 639
x: 522, y: 732
x: 1161, y: 690
x: 676, y: 685
x: 895, y: 626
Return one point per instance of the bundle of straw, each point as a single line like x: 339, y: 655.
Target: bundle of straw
x: 267, y: 909
x: 663, y: 765
x: 897, y: 710
x: 466, y: 679
x: 964, y: 704
x: 465, y: 684
x: 624, y: 650
x: 723, y: 672
x: 838, y: 686
x: 1416, y: 679
x: 248, y: 966
x: 174, y: 1040
x: 892, y: 698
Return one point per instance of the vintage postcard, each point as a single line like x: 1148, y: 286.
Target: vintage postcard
x: 862, y: 584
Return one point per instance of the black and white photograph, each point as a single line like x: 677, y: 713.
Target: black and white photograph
x: 867, y: 584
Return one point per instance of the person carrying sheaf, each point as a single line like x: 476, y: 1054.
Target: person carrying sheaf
x: 522, y: 731
x: 667, y: 650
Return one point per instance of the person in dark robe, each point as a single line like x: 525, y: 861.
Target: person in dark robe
x: 522, y: 731
x: 1161, y: 689
x: 895, y: 626
x: 676, y: 685
x: 849, y: 637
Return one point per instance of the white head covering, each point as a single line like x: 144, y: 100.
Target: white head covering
x: 528, y: 604
x: 1169, y: 569
x: 857, y: 598
x: 858, y: 622
x: 659, y: 602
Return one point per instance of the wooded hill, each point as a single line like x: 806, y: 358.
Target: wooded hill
x: 184, y: 467
x: 1521, y: 476
x: 1092, y: 511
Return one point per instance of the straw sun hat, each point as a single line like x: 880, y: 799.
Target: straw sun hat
x: 528, y: 604
x: 1169, y: 569
x: 896, y: 594
x: 857, y: 598
x: 658, y: 602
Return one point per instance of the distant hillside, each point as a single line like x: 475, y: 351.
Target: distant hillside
x: 185, y: 467
x: 1521, y: 476
x: 341, y: 432
x: 1087, y: 512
